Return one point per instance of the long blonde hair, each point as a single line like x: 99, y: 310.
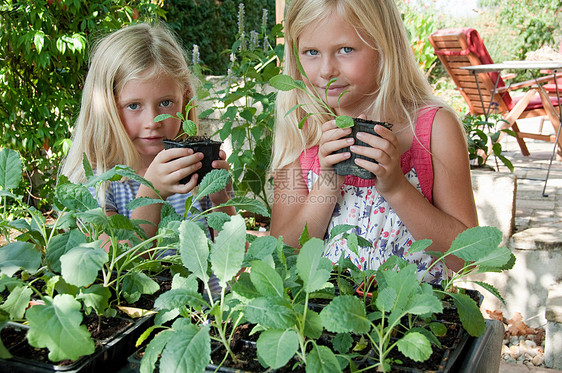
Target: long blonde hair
x: 403, y: 88
x: 141, y: 51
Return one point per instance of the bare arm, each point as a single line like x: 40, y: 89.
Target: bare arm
x: 453, y: 209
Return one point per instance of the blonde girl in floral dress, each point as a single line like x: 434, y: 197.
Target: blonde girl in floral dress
x: 422, y: 187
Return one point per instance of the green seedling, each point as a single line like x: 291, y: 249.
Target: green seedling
x: 189, y: 127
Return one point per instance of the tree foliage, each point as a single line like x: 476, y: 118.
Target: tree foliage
x: 538, y: 22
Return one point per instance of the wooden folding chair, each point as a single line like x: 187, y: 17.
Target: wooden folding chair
x: 463, y: 47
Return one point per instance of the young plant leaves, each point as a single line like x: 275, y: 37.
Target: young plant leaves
x: 19, y: 255
x: 194, y: 249
x: 56, y: 325
x: 277, y: 347
x: 415, y: 345
x: 187, y: 350
x: 312, y: 267
x: 228, y: 250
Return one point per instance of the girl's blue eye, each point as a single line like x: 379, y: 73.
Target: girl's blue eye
x: 311, y: 52
x: 347, y: 50
x: 133, y: 106
x: 166, y: 103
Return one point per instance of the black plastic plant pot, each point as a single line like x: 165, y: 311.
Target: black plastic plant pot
x: 109, y: 354
x: 208, y: 147
x: 348, y: 166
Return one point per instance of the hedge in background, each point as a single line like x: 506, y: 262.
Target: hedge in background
x: 212, y: 26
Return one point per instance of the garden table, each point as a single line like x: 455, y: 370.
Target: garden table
x: 553, y: 67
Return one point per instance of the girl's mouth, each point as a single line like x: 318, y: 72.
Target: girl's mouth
x: 333, y: 90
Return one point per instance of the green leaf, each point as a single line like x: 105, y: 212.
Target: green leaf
x: 266, y: 280
x: 243, y: 286
x: 10, y: 169
x: 154, y: 349
x: 284, y: 82
x: 424, y: 303
x: 137, y: 283
x: 188, y: 350
x: 214, y: 181
x: 312, y: 267
x: 80, y: 266
x: 56, y: 326
x: 95, y: 296
x: 476, y: 243
x: 270, y: 312
x: 260, y: 248
x: 386, y: 299
x: 75, y: 197
x: 61, y: 244
x: 345, y: 313
x: 322, y: 360
x: 143, y: 201
x: 471, y: 316
x: 277, y: 347
x: 17, y: 302
x: 491, y: 289
x: 161, y: 117
x: 215, y: 220
x: 247, y: 204
x: 189, y: 127
x: 227, y: 252
x: 419, y: 245
x: 4, y: 353
x: 439, y: 329
x: 404, y: 282
x: 19, y: 255
x: 339, y: 229
x: 344, y: 121
x: 39, y: 40
x: 304, y: 235
x: 177, y: 298
x: 194, y: 249
x: 415, y: 346
x: 342, y: 342
x: 497, y: 258
x: 313, y: 325
x: 88, y: 171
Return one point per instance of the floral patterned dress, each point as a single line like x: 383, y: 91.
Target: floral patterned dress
x: 360, y: 204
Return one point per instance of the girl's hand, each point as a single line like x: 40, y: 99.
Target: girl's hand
x: 332, y: 140
x: 169, y: 167
x: 223, y: 195
x: 386, y: 151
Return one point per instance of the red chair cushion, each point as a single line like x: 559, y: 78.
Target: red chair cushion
x: 535, y: 102
x: 551, y: 87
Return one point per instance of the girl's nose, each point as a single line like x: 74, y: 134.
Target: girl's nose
x: 329, y: 69
x: 151, y: 114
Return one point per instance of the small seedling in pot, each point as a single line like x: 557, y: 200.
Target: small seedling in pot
x: 203, y: 144
x: 189, y: 127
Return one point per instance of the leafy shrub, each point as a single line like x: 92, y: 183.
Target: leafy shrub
x: 419, y: 24
x: 482, y: 136
x: 245, y: 105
